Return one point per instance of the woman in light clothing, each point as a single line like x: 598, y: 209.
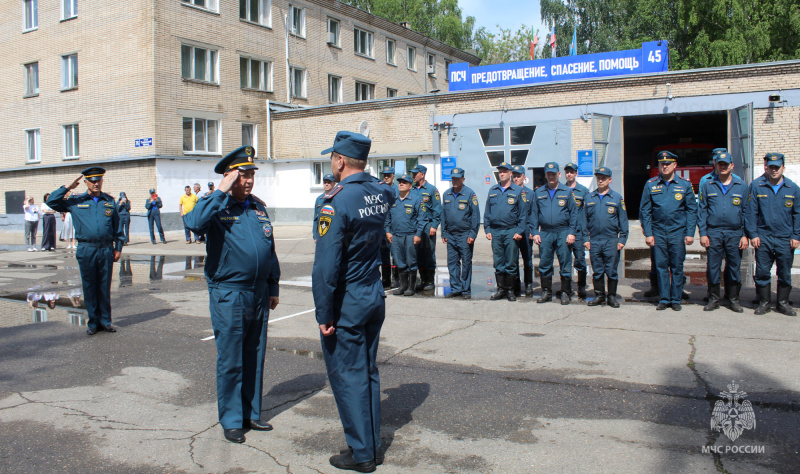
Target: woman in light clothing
x: 32, y: 213
x: 48, y: 226
x: 68, y: 231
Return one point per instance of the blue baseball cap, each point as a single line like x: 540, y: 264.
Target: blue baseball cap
x: 723, y: 157
x: 329, y: 177
x: 239, y: 159
x: 152, y: 191
x: 571, y: 166
x: 418, y: 169
x: 350, y: 144
x: 717, y: 151
x: 551, y: 167
x: 505, y: 165
x: 457, y: 173
x: 518, y: 169
x: 93, y: 173
x: 774, y: 159
x: 122, y: 194
x: 667, y: 156
x: 603, y: 171
x: 405, y: 177
x: 210, y: 184
x: 388, y: 170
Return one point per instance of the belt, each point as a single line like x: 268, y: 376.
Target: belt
x: 102, y: 243
x: 225, y: 285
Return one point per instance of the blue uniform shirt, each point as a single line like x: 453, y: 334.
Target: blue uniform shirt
x: 124, y: 209
x: 668, y: 207
x: 579, y: 193
x: 768, y: 214
x: 153, y: 207
x: 347, y: 254
x: 527, y: 196
x: 606, y: 216
x: 407, y: 216
x: 504, y: 209
x: 460, y: 214
x: 723, y: 211
x: 94, y: 221
x: 239, y: 242
x: 317, y: 206
x: 553, y: 214
x: 433, y: 205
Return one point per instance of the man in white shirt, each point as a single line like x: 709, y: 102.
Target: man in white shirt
x: 32, y: 213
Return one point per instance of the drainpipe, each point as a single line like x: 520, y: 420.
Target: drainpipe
x: 288, y: 71
x: 269, y: 133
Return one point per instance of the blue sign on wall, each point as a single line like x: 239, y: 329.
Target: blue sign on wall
x: 585, y: 162
x: 653, y: 57
x: 448, y: 163
x: 142, y: 142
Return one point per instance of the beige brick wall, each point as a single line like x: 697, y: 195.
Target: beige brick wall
x: 581, y: 136
x: 776, y: 129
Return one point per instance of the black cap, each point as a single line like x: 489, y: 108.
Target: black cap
x: 240, y: 158
x: 94, y: 173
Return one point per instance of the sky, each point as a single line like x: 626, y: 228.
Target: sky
x: 509, y: 14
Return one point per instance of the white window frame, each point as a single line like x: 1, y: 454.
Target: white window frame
x: 318, y: 170
x: 72, y: 141
x: 363, y: 88
x: 391, y: 58
x: 304, y: 78
x: 411, y: 58
x: 211, y: 60
x: 202, y: 122
x: 369, y: 37
x: 265, y: 74
x: 69, y: 9
x: 33, y: 155
x: 391, y: 92
x: 264, y: 12
x: 32, y: 79
x: 210, y: 5
x: 431, y: 62
x: 337, y: 34
x: 297, y: 28
x: 334, y: 97
x: 69, y: 71
x: 30, y: 11
x: 255, y: 135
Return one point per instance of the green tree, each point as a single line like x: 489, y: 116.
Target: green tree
x: 506, y: 46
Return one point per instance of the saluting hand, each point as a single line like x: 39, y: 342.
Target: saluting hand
x: 227, y: 182
x: 75, y: 183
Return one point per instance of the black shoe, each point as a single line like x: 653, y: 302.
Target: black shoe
x: 235, y: 435
x: 612, y: 293
x: 430, y: 278
x: 546, y: 297
x: 662, y: 306
x: 565, y: 298
x: 676, y: 307
x: 599, y: 286
x: 91, y: 331
x: 467, y: 296
x: 403, y: 286
x: 685, y: 296
x: 378, y: 457
x: 763, y: 294
x: 529, y: 289
x: 453, y: 294
x: 153, y: 242
x: 582, y: 284
x: 260, y: 425
x: 783, y: 305
x: 345, y: 461
x: 412, y: 284
x: 566, y: 290
x: 106, y: 328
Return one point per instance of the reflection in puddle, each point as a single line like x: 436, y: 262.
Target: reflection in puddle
x: 17, y: 311
x: 309, y: 354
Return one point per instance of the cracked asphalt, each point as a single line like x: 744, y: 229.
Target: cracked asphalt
x: 468, y: 386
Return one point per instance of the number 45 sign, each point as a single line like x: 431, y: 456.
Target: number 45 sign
x: 656, y: 56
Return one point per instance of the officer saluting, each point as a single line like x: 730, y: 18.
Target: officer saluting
x: 773, y: 226
x: 349, y: 297
x: 668, y: 213
x: 327, y: 185
x: 607, y: 224
x: 405, y: 228
x: 242, y: 271
x: 504, y: 224
x: 97, y: 229
x: 461, y: 220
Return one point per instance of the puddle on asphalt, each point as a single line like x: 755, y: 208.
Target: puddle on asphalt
x: 303, y: 353
x: 20, y: 312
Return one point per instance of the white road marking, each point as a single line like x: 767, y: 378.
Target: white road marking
x: 272, y: 321
x: 207, y: 338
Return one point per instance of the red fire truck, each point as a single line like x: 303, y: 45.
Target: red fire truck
x: 694, y: 161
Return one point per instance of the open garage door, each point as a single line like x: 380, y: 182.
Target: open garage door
x: 607, y: 142
x: 741, y: 144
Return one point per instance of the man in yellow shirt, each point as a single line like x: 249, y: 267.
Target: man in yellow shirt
x: 185, y: 206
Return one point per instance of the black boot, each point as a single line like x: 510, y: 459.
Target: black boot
x: 566, y: 290
x: 547, y: 289
x: 501, y: 292
x: 395, y: 277
x: 517, y: 285
x: 420, y: 283
x: 713, y: 298
x: 612, y: 293
x: 599, y: 292
x: 733, y: 296
x: 430, y: 277
x: 783, y: 300
x: 529, y: 282
x: 582, y: 284
x: 412, y: 284
x: 386, y: 276
x: 653, y: 291
x: 763, y: 299
x: 512, y: 286
x: 403, y: 284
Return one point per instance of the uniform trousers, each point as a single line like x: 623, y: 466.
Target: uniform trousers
x: 96, y: 262
x: 605, y: 258
x: 669, y: 253
x: 459, y: 263
x: 426, y: 252
x: 526, y: 251
x: 579, y: 254
x: 405, y: 252
x: 554, y: 244
x: 724, y: 244
x: 125, y: 226
x: 351, y: 361
x: 505, y: 251
x: 776, y: 250
x: 154, y: 219
x: 239, y: 317
x: 386, y: 252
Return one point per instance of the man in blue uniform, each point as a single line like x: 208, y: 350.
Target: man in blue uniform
x: 124, y: 210
x: 553, y: 225
x: 504, y: 223
x: 579, y: 193
x: 525, y: 244
x: 405, y: 229
x: 349, y: 297
x: 389, y: 275
x: 243, y: 272
x: 153, y: 206
x: 427, y: 249
x: 461, y: 220
x: 772, y: 224
x: 668, y: 213
x: 721, y: 219
x: 327, y: 185
x: 607, y: 225
x: 99, y: 236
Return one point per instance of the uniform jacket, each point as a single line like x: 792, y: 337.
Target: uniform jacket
x: 606, y: 217
x: 239, y: 242
x: 668, y: 207
x: 317, y: 206
x: 460, y: 214
x: 153, y: 207
x: 768, y: 214
x: 433, y: 205
x: 406, y: 216
x: 722, y: 211
x: 579, y: 193
x: 124, y: 209
x: 504, y: 209
x: 704, y: 180
x: 553, y: 215
x: 527, y: 202
x: 96, y: 222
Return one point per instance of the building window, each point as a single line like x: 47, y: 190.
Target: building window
x: 391, y: 92
x: 431, y: 64
x: 71, y: 148
x: 199, y: 64
x: 250, y: 135
x: 34, y: 146
x: 391, y: 47
x: 212, y: 5
x: 255, y: 74
x: 69, y: 9
x: 447, y: 64
x: 201, y: 135
x: 69, y: 72
x: 297, y: 20
x: 334, y: 89
x: 31, y: 79
x: 298, y: 77
x: 333, y: 32
x: 257, y: 11
x: 320, y: 170
x: 363, y: 42
x: 412, y: 58
x: 365, y: 91
x: 31, y: 15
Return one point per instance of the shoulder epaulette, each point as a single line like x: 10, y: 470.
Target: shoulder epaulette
x: 257, y: 200
x: 653, y: 179
x: 335, y: 190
